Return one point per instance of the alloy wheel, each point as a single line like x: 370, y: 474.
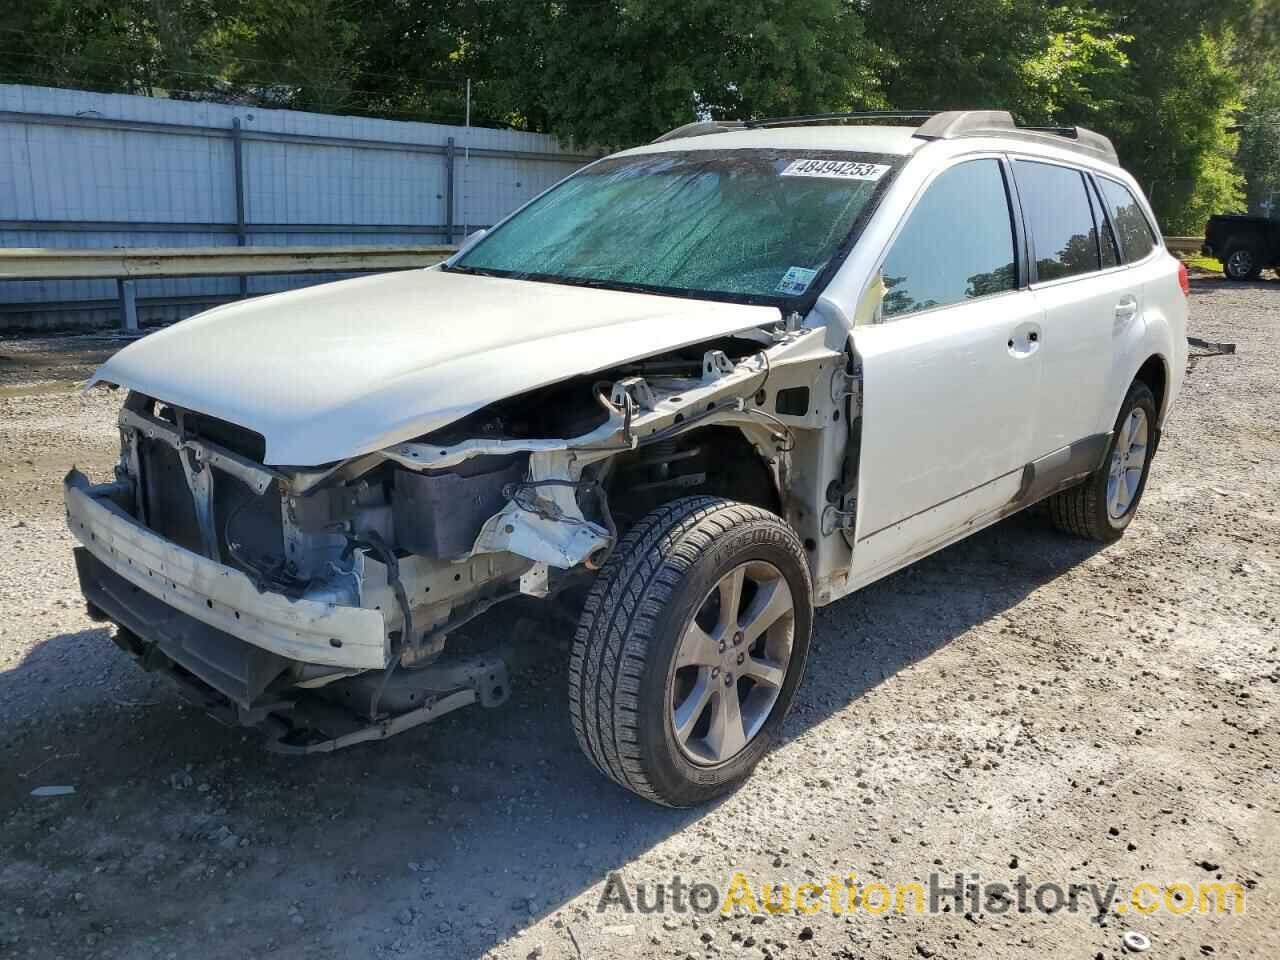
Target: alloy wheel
x: 1127, y: 461
x: 731, y: 663
x: 1240, y: 263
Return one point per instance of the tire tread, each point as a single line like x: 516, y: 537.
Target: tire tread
x: 611, y: 647
x: 1079, y: 510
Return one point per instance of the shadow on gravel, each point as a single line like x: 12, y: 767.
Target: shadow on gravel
x: 442, y: 842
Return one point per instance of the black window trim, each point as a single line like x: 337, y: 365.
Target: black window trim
x: 1096, y: 196
x: 1014, y: 207
x: 1021, y: 236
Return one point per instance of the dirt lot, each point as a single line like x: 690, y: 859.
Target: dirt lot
x: 1020, y: 704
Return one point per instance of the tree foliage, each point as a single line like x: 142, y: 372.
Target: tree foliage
x: 1259, y: 121
x: 1259, y: 155
x: 1166, y: 81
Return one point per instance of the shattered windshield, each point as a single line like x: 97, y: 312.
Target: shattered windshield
x: 745, y: 225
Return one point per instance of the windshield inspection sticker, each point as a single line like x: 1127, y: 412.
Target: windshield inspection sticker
x: 796, y: 280
x: 835, y: 169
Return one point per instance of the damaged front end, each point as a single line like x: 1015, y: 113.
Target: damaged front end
x: 322, y: 602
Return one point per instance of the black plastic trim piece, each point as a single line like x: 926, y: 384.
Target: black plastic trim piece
x: 1062, y: 467
x: 238, y: 670
x: 1022, y: 245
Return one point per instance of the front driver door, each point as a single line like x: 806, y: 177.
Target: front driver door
x: 951, y: 372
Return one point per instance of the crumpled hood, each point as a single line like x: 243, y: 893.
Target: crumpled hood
x: 333, y: 371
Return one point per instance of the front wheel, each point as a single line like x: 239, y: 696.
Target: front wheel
x: 689, y: 649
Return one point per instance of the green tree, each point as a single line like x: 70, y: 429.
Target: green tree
x: 348, y: 56
x: 1171, y: 110
x: 1259, y: 122
x: 622, y: 72
x: 1165, y: 80
x: 97, y: 45
x: 1259, y: 126
x: 1038, y: 59
x: 149, y: 47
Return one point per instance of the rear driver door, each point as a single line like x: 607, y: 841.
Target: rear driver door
x: 950, y: 371
x: 1091, y: 304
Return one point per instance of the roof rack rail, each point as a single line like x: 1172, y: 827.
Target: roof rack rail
x: 954, y: 124
x: 831, y: 117
x: 946, y: 125
x: 701, y: 128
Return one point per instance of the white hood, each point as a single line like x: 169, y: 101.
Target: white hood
x: 333, y: 371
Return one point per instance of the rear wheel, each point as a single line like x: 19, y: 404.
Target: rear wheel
x: 1241, y: 261
x: 690, y: 648
x: 1102, y: 505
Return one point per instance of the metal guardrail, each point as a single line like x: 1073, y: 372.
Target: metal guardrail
x: 1183, y: 244
x: 127, y: 264
x: 135, y: 263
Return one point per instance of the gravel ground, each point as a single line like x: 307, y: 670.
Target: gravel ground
x: 1019, y: 704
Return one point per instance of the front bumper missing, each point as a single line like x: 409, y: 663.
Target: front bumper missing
x: 239, y: 682
x: 233, y: 681
x: 221, y: 597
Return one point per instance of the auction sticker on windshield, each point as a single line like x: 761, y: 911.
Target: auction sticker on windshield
x: 796, y: 280
x: 835, y: 169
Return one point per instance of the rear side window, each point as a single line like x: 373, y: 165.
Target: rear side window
x: 956, y: 245
x: 1059, y: 219
x: 1136, y: 236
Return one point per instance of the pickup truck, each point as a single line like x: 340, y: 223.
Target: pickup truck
x: 1245, y: 244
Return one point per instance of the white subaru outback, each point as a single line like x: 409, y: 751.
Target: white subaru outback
x: 682, y: 397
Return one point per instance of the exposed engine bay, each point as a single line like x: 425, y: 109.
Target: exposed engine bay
x: 265, y: 590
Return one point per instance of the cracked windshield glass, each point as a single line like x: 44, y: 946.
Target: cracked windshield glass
x: 743, y: 225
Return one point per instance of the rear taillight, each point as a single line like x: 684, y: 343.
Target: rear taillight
x: 1184, y: 280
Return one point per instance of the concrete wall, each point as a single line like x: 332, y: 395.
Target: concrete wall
x: 82, y: 169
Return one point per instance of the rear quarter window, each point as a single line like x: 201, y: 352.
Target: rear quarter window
x: 1136, y: 237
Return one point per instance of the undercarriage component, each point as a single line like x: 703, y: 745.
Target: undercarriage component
x: 290, y: 740
x: 300, y: 709
x: 485, y: 674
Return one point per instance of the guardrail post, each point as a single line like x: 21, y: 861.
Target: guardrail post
x: 448, y: 191
x: 237, y: 153
x: 128, y: 305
